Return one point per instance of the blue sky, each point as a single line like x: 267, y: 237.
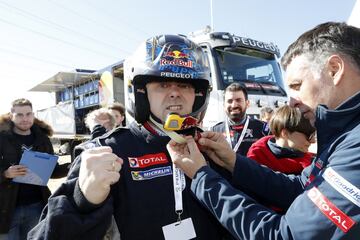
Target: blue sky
x: 42, y: 37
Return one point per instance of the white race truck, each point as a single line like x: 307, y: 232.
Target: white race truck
x: 247, y: 61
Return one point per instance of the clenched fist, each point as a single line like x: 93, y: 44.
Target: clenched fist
x: 98, y: 170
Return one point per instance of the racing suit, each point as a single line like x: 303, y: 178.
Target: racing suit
x: 324, y: 201
x: 141, y: 202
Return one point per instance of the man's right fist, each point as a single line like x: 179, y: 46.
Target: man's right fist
x: 98, y: 170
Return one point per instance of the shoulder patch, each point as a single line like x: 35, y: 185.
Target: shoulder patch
x: 343, y: 186
x: 332, y: 212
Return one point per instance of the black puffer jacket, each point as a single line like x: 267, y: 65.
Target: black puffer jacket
x: 10, y: 154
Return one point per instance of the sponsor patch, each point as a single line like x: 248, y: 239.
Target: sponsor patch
x: 150, y: 174
x: 176, y: 62
x: 339, y: 218
x: 176, y: 54
x: 148, y: 160
x: 249, y: 133
x: 319, y: 163
x: 176, y: 75
x: 343, y: 186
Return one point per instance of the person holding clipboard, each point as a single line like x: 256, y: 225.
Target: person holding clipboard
x: 21, y: 203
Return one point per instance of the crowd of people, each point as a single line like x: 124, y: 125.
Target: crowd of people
x: 246, y: 178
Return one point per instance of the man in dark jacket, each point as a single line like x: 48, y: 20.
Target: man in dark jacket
x: 240, y: 130
x: 21, y: 204
x: 323, y: 75
x: 169, y: 92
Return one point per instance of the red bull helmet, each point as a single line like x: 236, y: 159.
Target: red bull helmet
x: 168, y: 58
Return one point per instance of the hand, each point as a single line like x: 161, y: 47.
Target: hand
x: 98, y: 170
x: 100, y: 117
x: 186, y: 156
x: 15, y: 171
x: 218, y: 149
x: 104, y: 119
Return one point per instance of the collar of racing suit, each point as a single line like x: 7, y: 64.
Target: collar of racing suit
x: 330, y: 123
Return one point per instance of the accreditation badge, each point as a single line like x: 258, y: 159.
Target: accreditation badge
x: 181, y: 230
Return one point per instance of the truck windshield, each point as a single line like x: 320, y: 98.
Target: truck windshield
x: 258, y: 71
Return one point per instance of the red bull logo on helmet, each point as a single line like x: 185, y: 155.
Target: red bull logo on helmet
x: 176, y: 62
x: 176, y: 54
x: 176, y: 58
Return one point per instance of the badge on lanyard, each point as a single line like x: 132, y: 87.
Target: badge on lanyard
x: 183, y: 230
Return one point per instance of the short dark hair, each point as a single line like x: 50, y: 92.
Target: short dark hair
x: 326, y: 39
x: 291, y: 119
x: 20, y: 102
x: 236, y: 87
x: 118, y: 107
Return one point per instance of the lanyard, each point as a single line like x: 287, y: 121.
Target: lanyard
x: 236, y: 147
x: 179, y: 184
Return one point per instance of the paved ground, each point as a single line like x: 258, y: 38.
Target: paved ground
x: 55, y: 183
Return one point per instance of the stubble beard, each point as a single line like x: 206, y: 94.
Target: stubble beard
x: 237, y: 117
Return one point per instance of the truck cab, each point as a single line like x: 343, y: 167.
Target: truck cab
x: 252, y: 63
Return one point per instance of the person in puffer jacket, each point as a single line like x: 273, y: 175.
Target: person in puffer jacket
x: 20, y: 203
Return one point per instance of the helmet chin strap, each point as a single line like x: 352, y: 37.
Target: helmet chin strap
x: 173, y: 135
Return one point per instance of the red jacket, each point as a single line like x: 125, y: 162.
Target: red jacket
x: 261, y: 153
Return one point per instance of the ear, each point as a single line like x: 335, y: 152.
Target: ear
x: 12, y: 116
x: 284, y: 133
x: 247, y: 103
x: 336, y: 66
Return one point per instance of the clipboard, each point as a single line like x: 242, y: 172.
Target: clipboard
x: 39, y: 167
